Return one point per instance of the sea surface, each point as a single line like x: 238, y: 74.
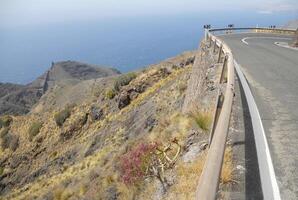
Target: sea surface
x: 126, y: 43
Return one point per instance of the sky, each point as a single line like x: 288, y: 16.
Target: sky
x: 15, y: 13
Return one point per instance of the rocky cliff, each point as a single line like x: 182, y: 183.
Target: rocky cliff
x: 19, y: 99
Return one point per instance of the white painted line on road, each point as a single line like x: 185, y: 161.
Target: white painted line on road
x: 268, y: 179
x: 243, y: 40
x: 279, y: 38
x: 234, y: 33
x: 285, y: 45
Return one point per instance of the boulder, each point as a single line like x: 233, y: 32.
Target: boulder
x: 124, y: 100
x: 96, y: 113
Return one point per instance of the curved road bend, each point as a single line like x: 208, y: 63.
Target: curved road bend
x: 272, y: 73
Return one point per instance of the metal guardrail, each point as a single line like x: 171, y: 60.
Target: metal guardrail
x: 209, y: 180
x: 256, y: 30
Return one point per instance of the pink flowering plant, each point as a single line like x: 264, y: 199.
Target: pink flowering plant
x: 148, y: 160
x: 135, y: 163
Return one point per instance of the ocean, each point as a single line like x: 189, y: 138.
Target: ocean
x: 123, y: 43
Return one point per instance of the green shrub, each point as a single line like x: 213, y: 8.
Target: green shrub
x: 1, y: 170
x: 61, y: 116
x: 123, y: 80
x: 202, y: 119
x: 110, y: 94
x: 5, y: 121
x: 34, y: 129
x: 4, y: 132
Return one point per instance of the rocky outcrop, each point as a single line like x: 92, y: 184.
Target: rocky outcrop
x: 124, y: 100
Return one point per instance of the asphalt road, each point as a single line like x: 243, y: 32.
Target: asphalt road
x: 272, y: 73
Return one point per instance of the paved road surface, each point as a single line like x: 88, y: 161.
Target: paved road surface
x: 272, y: 72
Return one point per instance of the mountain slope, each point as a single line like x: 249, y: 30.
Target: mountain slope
x: 77, y: 151
x: 19, y: 99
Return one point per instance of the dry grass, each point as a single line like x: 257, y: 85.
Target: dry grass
x: 62, y: 194
x: 202, y: 118
x: 174, y: 126
x: 110, y: 93
x: 182, y: 86
x: 78, y: 171
x: 126, y: 193
x: 188, y: 175
x: 227, y: 169
x: 40, y: 186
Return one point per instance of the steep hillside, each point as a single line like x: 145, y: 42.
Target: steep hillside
x: 125, y: 137
x: 19, y: 99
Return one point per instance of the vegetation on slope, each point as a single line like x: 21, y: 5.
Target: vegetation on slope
x: 34, y: 129
x: 82, y: 157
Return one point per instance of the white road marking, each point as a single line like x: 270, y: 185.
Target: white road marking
x: 268, y: 179
x: 285, y: 45
x: 279, y: 38
x: 243, y: 40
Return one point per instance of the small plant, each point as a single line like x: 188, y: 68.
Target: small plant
x: 10, y: 141
x: 124, y: 80
x: 134, y: 164
x: 61, y: 116
x: 148, y: 160
x: 4, y: 132
x: 1, y: 170
x: 34, y: 129
x: 202, y: 119
x: 110, y: 94
x: 5, y: 121
x: 182, y: 87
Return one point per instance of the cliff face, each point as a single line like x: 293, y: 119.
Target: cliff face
x: 19, y: 99
x: 73, y: 143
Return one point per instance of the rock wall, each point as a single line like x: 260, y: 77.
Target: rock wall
x: 197, y: 81
x: 295, y: 44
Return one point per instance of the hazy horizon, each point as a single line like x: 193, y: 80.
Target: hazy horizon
x: 15, y: 13
x: 125, y: 35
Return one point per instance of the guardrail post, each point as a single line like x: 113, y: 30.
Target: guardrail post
x: 219, y: 54
x: 221, y: 80
x: 218, y: 106
x: 214, y: 47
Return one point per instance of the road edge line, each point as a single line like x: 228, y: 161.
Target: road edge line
x: 286, y: 46
x: 269, y: 184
